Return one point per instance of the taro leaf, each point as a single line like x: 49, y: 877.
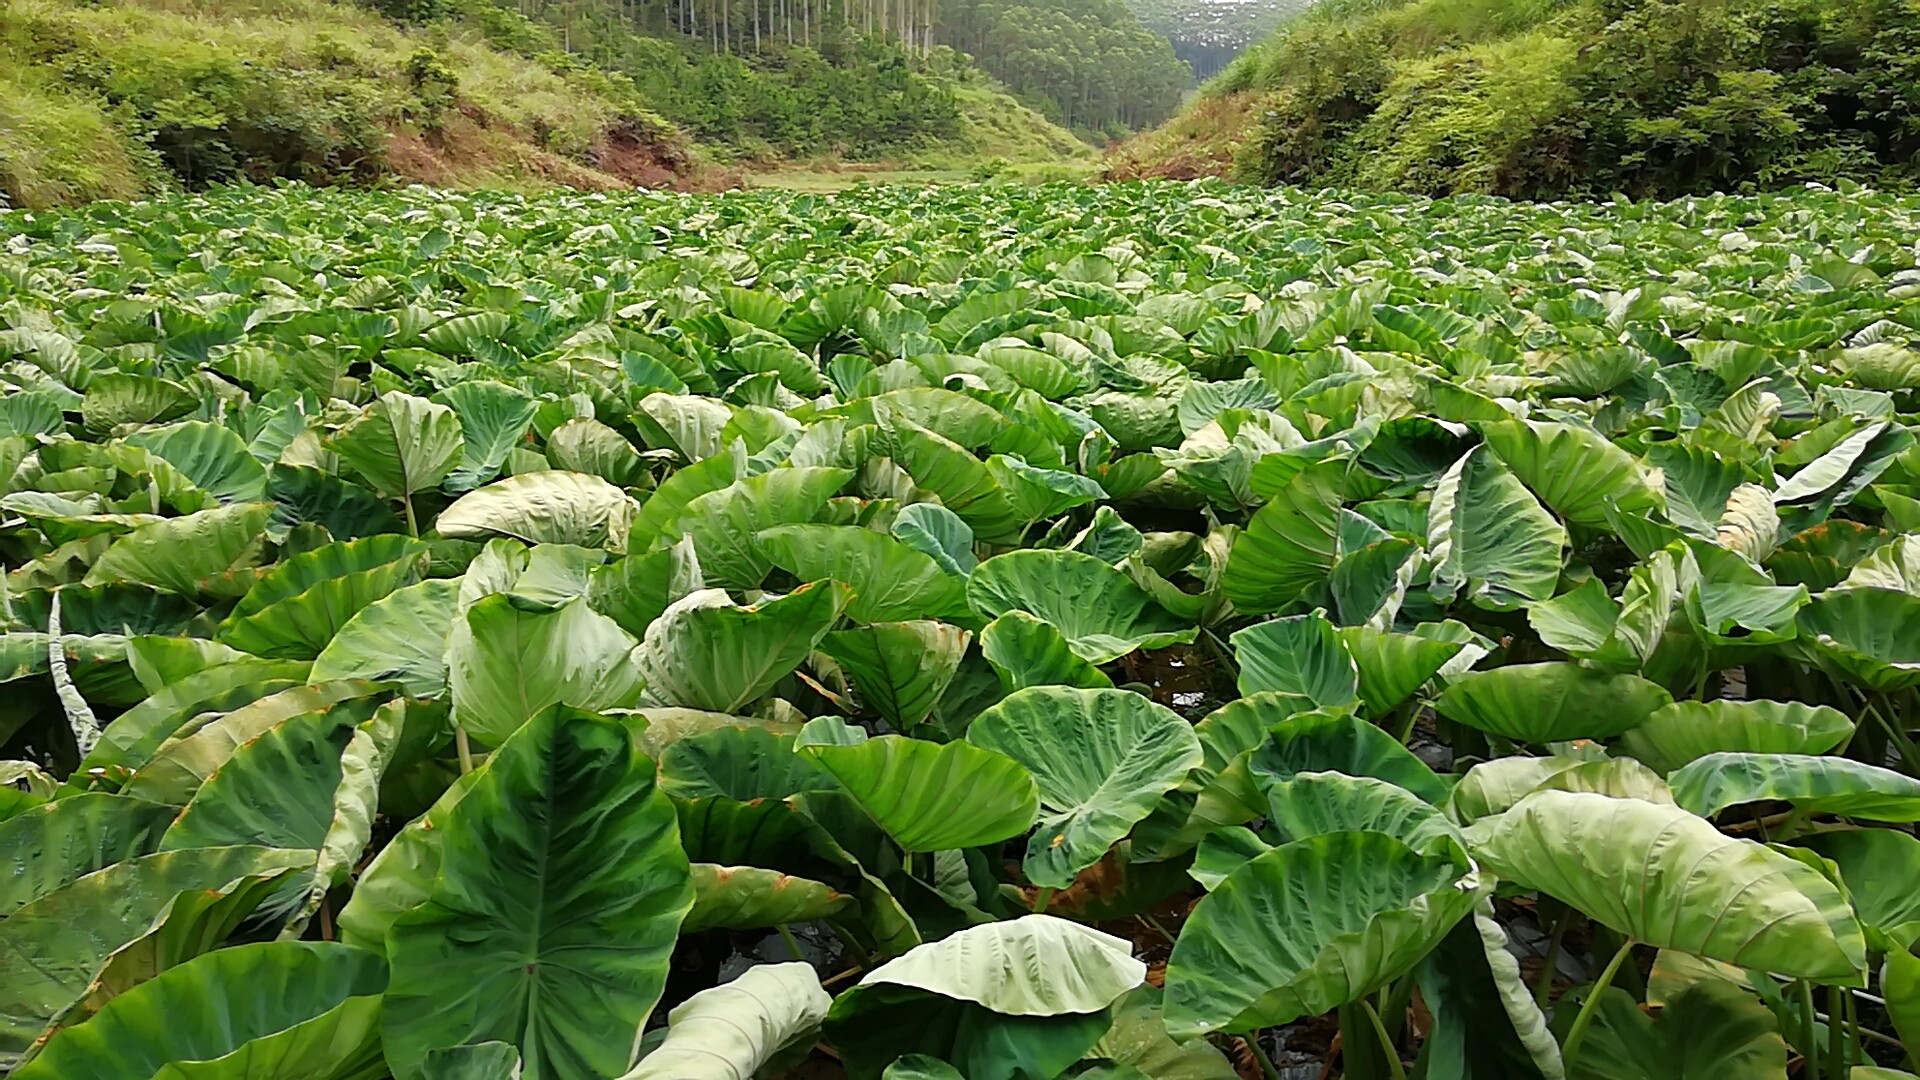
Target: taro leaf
x: 1489, y: 538
x: 1749, y: 525
x: 891, y: 582
x: 1710, y: 1030
x: 1138, y: 1040
x: 1006, y: 1000
x: 1392, y: 666
x: 1669, y: 879
x: 1316, y: 803
x: 493, y: 416
x: 726, y: 524
x: 743, y: 764
x: 635, y: 590
x: 1289, y: 546
x: 130, y: 740
x: 706, y: 653
x: 550, y: 507
x: 401, y: 876
x: 308, y: 496
x: 1223, y: 851
x: 1871, y: 636
x: 291, y: 1010
x: 589, y: 446
x: 934, y: 796
x: 1102, y: 760
x: 1900, y: 982
x: 939, y: 533
x: 1101, y: 613
x: 1039, y: 494
x: 298, y: 606
x: 1821, y: 785
x: 1573, y: 469
x: 184, y: 761
x: 53, y: 844
x: 1550, y: 702
x: 400, y: 444
x: 899, y: 669
x: 1307, y: 927
x: 400, y: 638
x: 962, y: 481
x: 561, y: 889
x: 1331, y: 742
x: 211, y: 456
x: 1300, y: 655
x: 55, y: 947
x: 1493, y: 787
x: 206, y: 554
x: 1684, y: 731
x: 505, y: 663
x: 729, y: 1032
x: 1486, y: 1025
x: 748, y: 897
x: 1025, y: 651
x: 1881, y: 868
x: 121, y: 398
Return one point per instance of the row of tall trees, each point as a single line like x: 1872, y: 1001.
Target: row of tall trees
x: 741, y: 26
x: 1086, y: 63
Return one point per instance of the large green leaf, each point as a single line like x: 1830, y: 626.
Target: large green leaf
x: 899, y: 669
x: 1007, y: 1000
x: 213, y: 457
x: 746, y: 897
x: 891, y: 582
x: 208, y: 554
x: 561, y: 887
x: 1684, y: 731
x: 934, y: 796
x: 1573, y: 469
x: 1881, y: 869
x: 493, y: 416
x: 1669, y: 879
x: 55, y: 843
x: 1289, y: 546
x: 550, y: 507
x: 1488, y: 537
x: 185, y: 761
x: 1316, y: 803
x: 1095, y: 606
x: 1551, y: 702
x: 1486, y: 1025
x: 1826, y: 785
x: 1392, y: 666
x: 1302, y: 655
x: 130, y: 740
x: 297, y: 607
x: 1710, y: 1030
x: 1102, y: 760
x: 728, y: 1032
x: 282, y: 1010
x: 401, y: 638
x: 400, y: 444
x: 55, y: 947
x: 1138, y: 1039
x: 505, y: 663
x: 1025, y: 651
x: 1871, y: 636
x: 726, y: 525
x: 1307, y: 927
x: 706, y: 653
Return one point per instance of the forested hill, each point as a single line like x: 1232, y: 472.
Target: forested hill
x: 122, y: 99
x: 1208, y: 34
x: 1550, y: 98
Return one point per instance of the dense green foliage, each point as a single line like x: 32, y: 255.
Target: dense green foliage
x: 441, y: 632
x: 1087, y: 63
x: 1543, y: 98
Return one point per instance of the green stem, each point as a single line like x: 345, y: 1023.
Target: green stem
x: 1587, y: 1007
x: 1809, y: 1049
x: 1040, y: 900
x: 1543, y: 986
x: 466, y: 750
x: 1260, y: 1054
x: 1386, y: 1041
x: 1836, y: 1031
x: 413, y: 527
x: 793, y: 946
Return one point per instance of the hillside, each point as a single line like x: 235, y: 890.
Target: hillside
x: 1556, y: 98
x: 115, y: 101
x: 1208, y: 34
